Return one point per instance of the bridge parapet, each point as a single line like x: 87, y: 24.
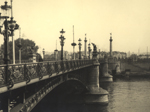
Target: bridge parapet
x: 28, y: 71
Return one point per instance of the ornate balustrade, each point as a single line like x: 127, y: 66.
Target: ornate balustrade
x: 28, y: 71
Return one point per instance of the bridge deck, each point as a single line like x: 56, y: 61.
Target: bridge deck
x: 19, y: 75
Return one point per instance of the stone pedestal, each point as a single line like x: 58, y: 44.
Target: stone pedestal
x: 95, y: 95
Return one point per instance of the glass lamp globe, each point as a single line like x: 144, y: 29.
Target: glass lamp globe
x: 11, y: 25
x: 79, y: 40
x: 5, y: 10
x: 62, y: 32
x: 1, y: 22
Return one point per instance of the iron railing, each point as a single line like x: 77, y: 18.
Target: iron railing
x: 27, y: 71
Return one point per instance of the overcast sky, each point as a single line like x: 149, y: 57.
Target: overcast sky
x: 127, y: 20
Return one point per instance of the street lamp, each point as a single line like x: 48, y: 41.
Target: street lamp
x: 13, y: 26
x: 73, y: 44
x: 9, y: 27
x: 79, y: 48
x: 62, y: 42
x: 43, y: 53
x: 89, y: 48
x: 85, y: 48
x: 3, y: 18
x: 19, y: 45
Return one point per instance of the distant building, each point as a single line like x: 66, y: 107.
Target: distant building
x: 69, y: 55
x: 142, y: 56
x: 115, y: 54
x: 103, y: 53
x: 133, y: 57
x: 119, y: 55
x: 83, y: 55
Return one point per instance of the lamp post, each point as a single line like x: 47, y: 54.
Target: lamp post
x: 62, y: 43
x: 19, y: 45
x: 43, y: 53
x: 12, y: 34
x: 73, y: 44
x: 89, y: 50
x: 85, y: 47
x: 110, y: 44
x: 5, y: 32
x: 12, y: 26
x: 9, y: 27
x: 79, y: 48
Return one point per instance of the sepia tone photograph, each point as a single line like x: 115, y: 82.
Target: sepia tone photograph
x: 74, y: 56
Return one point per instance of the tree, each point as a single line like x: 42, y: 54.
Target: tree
x: 27, y: 45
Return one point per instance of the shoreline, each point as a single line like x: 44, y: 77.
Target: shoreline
x: 144, y: 73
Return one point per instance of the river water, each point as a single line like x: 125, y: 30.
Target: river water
x: 126, y: 94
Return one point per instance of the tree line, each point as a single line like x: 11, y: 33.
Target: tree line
x: 27, y: 47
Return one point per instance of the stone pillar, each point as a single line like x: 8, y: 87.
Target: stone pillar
x: 95, y: 95
x: 105, y: 77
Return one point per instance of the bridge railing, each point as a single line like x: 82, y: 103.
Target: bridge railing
x: 14, y: 73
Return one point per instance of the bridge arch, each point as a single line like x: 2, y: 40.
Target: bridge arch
x: 56, y: 82
x: 69, y: 92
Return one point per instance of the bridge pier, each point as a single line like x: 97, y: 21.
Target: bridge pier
x: 105, y: 76
x: 114, y: 66
x: 95, y: 95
